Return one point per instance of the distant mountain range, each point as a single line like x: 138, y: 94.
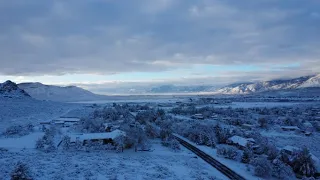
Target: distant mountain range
x: 273, y: 85
x: 73, y: 93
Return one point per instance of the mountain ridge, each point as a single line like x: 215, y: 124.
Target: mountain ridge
x: 11, y: 89
x: 272, y: 85
x: 58, y: 93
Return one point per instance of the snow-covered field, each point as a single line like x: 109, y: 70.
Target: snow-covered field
x: 161, y: 163
x: 22, y: 111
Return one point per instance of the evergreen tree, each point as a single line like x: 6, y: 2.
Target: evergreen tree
x: 303, y: 163
x: 21, y: 172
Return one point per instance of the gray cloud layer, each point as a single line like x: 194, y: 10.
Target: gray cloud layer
x: 109, y: 36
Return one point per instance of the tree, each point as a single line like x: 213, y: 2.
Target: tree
x: 247, y: 155
x: 282, y: 171
x: 66, y: 142
x: 303, y: 163
x: 120, y: 143
x: 263, y: 123
x: 229, y: 152
x: 262, y: 167
x: 222, y: 134
x: 21, y: 172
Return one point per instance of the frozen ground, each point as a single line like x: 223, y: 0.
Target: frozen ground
x: 23, y: 111
x: 290, y: 138
x: 162, y: 163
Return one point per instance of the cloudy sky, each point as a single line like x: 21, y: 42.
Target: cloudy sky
x: 116, y: 42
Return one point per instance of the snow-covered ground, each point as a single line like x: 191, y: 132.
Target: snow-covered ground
x: 161, y: 163
x: 27, y: 110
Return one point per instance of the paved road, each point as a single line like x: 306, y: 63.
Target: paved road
x: 213, y: 162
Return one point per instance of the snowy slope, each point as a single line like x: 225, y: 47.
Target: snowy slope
x: 57, y: 93
x: 274, y: 85
x: 312, y: 82
x: 10, y: 89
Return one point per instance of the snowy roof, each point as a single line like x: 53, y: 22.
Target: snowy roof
x: 89, y: 136
x: 240, y: 140
x: 289, y: 127
x: 291, y: 148
x: 68, y: 119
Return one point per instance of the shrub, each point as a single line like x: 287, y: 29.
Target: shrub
x: 45, y: 143
x: 175, y: 145
x: 172, y: 143
x: 303, y: 163
x: 262, y: 167
x: 247, y: 155
x: 282, y: 171
x: 263, y: 123
x: 21, y: 172
x: 66, y: 143
x: 228, y: 152
x: 18, y: 130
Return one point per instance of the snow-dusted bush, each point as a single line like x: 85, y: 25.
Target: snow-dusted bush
x: 222, y: 134
x: 152, y: 131
x: 262, y: 167
x: 46, y: 143
x: 282, y: 171
x: 137, y: 137
x: 18, y: 130
x: 272, y: 151
x: 21, y: 172
x: 175, y: 145
x: 229, y: 152
x: 66, y: 144
x: 303, y: 163
x: 78, y: 145
x: 145, y: 117
x: 263, y: 122
x: 88, y: 125
x: 247, y: 155
x: 172, y: 143
x: 120, y: 143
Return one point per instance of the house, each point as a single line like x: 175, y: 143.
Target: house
x: 107, y: 137
x: 290, y: 149
x: 290, y: 128
x: 110, y: 127
x: 197, y: 116
x: 240, y: 142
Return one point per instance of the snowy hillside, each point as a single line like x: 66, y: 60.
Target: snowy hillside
x: 57, y: 93
x: 312, y: 82
x: 10, y: 89
x: 273, y: 85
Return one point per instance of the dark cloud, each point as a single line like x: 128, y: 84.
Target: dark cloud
x: 108, y: 36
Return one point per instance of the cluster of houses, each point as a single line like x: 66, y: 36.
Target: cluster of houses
x: 111, y: 130
x: 62, y: 121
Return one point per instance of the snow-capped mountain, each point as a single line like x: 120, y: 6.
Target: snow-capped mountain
x: 57, y: 93
x: 273, y: 85
x: 312, y: 82
x: 11, y: 89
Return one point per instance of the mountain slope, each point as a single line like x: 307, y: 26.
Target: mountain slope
x: 274, y: 85
x: 11, y: 89
x: 57, y: 93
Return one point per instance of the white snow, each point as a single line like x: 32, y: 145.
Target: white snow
x: 27, y: 141
x: 89, y: 136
